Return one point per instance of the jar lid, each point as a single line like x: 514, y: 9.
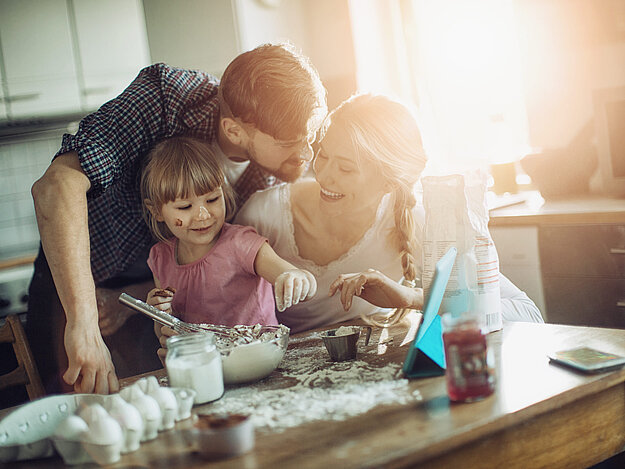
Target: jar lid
x: 197, y: 341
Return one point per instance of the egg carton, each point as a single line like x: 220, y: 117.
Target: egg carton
x: 97, y: 428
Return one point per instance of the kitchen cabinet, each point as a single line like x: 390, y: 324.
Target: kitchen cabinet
x: 37, y: 52
x: 584, y: 273
x: 112, y: 47
x: 519, y: 260
x: 581, y: 247
x: 68, y: 56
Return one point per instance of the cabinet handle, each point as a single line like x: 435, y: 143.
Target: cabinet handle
x: 21, y: 97
x: 617, y: 251
x: 620, y: 304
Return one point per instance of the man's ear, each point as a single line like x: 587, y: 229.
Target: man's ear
x: 155, y: 213
x: 234, y: 132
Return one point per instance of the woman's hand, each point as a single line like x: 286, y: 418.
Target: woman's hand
x: 294, y: 286
x: 161, y: 299
x: 377, y: 289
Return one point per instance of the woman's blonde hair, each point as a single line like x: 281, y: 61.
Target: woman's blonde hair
x: 177, y: 167
x: 385, y: 133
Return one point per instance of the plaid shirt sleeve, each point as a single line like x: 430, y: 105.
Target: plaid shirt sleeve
x: 161, y: 102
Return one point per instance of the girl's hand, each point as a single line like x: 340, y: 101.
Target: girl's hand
x: 163, y: 333
x: 294, y: 286
x: 161, y: 299
x: 377, y: 289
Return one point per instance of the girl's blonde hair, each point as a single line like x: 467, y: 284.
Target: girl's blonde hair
x: 177, y: 167
x: 386, y: 134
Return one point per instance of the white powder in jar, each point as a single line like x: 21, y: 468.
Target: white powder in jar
x: 205, y: 377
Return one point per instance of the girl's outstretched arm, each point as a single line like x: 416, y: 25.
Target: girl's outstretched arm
x: 291, y: 285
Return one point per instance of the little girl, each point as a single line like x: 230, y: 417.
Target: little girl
x: 215, y: 272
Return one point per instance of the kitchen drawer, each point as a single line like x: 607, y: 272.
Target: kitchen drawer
x: 585, y: 301
x: 582, y: 250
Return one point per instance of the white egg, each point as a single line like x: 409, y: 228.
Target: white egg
x: 104, y: 430
x: 72, y: 428
x: 104, y: 439
x: 167, y: 402
x: 130, y: 420
x: 91, y: 411
x: 150, y: 412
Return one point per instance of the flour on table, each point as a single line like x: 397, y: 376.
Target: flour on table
x: 324, y: 390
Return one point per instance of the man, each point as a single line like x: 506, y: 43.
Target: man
x: 261, y: 119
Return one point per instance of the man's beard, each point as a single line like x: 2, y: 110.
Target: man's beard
x: 289, y: 171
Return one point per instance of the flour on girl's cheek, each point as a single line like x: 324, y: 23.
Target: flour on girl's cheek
x: 178, y: 222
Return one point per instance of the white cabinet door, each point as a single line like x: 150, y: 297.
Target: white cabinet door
x: 38, y: 58
x: 519, y: 260
x: 112, y: 44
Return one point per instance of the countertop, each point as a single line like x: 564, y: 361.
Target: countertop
x: 541, y: 415
x: 531, y: 209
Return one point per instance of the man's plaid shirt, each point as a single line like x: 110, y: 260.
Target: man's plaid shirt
x: 111, y: 143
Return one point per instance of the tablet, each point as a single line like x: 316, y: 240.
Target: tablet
x: 588, y: 360
x: 426, y: 356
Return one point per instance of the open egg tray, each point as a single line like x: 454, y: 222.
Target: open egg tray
x: 28, y: 431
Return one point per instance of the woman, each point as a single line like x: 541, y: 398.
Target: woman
x: 359, y: 213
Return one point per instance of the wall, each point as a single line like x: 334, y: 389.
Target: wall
x: 208, y: 35
x: 22, y: 161
x: 569, y: 48
x: 192, y: 34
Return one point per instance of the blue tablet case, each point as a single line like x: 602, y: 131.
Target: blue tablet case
x: 426, y: 356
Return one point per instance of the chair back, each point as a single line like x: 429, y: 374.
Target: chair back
x: 26, y: 373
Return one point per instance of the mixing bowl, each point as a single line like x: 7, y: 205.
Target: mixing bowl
x: 248, y: 362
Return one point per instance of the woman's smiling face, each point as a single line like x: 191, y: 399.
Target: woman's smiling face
x: 348, y: 183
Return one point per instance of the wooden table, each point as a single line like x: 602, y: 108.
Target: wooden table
x: 541, y: 415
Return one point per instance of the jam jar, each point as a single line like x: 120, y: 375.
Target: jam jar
x: 470, y: 372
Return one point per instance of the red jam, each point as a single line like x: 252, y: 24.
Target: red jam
x: 470, y: 374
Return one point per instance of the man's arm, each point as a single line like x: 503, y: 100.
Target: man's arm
x: 60, y: 198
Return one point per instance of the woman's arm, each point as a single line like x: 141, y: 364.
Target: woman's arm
x: 291, y: 284
x: 377, y: 289
x: 515, y: 304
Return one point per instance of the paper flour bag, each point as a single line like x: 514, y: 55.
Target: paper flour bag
x: 456, y: 215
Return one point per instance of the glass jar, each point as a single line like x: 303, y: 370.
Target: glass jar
x: 470, y: 369
x: 193, y: 361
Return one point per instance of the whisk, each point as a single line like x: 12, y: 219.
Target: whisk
x: 238, y: 332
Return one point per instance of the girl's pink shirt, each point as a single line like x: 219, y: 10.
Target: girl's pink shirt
x: 222, y: 287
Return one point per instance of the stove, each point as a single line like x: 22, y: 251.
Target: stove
x: 14, y: 284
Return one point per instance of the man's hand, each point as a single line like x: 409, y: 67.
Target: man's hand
x: 294, y: 286
x: 377, y: 289
x: 90, y: 367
